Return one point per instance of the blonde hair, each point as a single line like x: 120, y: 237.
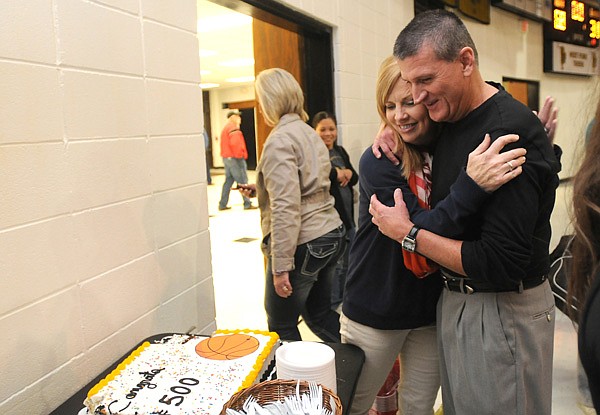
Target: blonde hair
x: 278, y: 94
x: 389, y: 75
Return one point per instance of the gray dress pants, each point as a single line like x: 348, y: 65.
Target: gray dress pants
x: 496, y: 352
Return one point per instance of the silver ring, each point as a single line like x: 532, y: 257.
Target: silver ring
x: 547, y: 130
x: 510, y: 166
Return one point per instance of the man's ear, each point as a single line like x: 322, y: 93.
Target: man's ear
x: 466, y: 57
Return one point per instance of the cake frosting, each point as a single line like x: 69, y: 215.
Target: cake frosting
x: 185, y: 374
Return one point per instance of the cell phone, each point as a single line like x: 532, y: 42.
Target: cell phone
x: 245, y: 187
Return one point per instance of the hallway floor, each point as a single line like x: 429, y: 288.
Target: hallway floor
x: 239, y: 283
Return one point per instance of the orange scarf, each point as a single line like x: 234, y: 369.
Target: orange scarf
x: 420, y: 184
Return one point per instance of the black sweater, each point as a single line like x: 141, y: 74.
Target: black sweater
x: 380, y: 292
x: 508, y: 239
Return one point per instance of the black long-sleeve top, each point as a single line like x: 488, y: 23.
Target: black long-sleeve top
x: 508, y: 239
x: 346, y: 212
x: 380, y: 292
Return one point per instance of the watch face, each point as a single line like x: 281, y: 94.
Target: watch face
x: 409, y: 244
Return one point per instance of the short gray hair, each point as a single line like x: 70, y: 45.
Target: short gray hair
x: 441, y: 29
x: 278, y: 94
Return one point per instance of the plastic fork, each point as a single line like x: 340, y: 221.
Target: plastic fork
x: 248, y: 406
x: 316, y: 395
x: 294, y: 405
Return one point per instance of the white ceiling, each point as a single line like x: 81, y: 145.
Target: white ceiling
x: 226, y: 48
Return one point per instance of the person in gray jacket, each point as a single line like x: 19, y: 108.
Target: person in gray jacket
x: 303, y: 235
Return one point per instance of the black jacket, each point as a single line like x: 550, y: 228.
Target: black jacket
x: 347, y: 217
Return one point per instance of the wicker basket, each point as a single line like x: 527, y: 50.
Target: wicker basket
x: 277, y: 390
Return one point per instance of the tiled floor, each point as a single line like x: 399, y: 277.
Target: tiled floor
x: 239, y: 284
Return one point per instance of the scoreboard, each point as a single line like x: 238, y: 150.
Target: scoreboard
x: 574, y: 22
x: 571, y: 38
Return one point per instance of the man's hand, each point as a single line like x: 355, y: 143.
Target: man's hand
x: 489, y: 168
x: 549, y: 117
x: 386, y: 140
x: 394, y: 222
x: 283, y: 288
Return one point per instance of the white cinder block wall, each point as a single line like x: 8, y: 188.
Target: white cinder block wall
x: 103, y: 220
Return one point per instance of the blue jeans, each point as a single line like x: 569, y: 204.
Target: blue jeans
x: 315, y: 264
x: 235, y: 171
x: 339, y: 281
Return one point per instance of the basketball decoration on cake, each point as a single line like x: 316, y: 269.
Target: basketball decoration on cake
x: 228, y: 347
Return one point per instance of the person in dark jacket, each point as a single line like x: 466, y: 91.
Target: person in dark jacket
x: 343, y: 177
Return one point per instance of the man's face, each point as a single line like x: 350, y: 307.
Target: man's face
x: 436, y: 83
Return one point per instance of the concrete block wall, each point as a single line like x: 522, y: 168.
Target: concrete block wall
x: 103, y: 221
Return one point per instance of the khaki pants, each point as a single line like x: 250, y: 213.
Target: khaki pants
x: 496, y: 352
x: 419, y: 366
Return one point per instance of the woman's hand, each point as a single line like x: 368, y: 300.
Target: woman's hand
x: 248, y: 190
x: 548, y: 115
x: 489, y: 168
x: 386, y: 140
x: 283, y: 288
x: 344, y: 176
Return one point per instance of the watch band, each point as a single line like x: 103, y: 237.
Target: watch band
x: 413, y: 232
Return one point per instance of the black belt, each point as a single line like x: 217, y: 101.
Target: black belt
x: 467, y: 286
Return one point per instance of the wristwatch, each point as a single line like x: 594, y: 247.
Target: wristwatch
x: 409, y: 243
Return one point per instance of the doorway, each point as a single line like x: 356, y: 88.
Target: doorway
x: 524, y: 90
x: 248, y: 128
x: 237, y: 262
x: 280, y: 37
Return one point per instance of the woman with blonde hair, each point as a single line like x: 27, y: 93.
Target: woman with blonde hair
x: 303, y: 234
x: 389, y: 308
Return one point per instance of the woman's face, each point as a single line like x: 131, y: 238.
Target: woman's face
x: 327, y: 131
x: 410, y: 120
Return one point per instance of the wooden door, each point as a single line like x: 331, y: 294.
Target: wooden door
x: 274, y: 47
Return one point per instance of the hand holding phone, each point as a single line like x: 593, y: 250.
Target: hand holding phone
x: 248, y: 190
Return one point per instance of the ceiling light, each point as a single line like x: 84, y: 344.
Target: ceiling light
x: 223, y: 22
x: 209, y: 85
x: 205, y: 72
x: 238, y: 62
x: 241, y: 79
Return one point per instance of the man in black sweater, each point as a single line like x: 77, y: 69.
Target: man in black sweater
x: 495, y: 318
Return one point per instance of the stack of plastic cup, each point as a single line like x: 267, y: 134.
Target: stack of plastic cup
x: 309, y: 361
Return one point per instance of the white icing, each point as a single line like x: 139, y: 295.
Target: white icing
x: 171, y: 378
